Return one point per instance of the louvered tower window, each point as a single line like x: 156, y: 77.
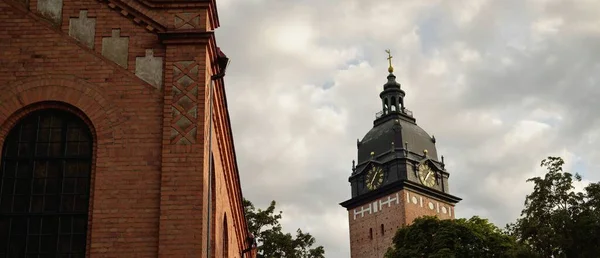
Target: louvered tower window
x: 45, y: 185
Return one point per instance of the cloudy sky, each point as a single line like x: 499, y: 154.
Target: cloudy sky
x: 501, y: 84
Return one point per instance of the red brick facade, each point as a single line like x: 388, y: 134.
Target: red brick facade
x: 141, y: 80
x: 374, y: 223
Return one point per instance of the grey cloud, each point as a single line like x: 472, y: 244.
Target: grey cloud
x: 473, y: 71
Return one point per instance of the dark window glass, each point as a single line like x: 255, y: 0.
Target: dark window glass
x: 44, y: 186
x: 225, y: 238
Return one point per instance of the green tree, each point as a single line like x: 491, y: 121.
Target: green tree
x: 556, y: 220
x: 272, y: 242
x: 434, y: 238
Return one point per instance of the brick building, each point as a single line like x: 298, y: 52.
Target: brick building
x: 114, y: 131
x: 398, y: 177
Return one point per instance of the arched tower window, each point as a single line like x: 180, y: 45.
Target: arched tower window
x: 45, y: 185
x: 394, y: 104
x: 385, y: 106
x: 225, y: 238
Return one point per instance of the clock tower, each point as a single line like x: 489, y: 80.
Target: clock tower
x: 397, y: 178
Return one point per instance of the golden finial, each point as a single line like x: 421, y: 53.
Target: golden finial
x: 390, y: 69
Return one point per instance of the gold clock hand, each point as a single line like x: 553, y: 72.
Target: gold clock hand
x: 374, y: 176
x: 427, y: 176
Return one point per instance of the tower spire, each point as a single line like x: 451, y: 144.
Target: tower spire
x: 389, y: 58
x: 392, y: 96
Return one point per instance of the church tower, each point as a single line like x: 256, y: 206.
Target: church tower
x: 398, y: 176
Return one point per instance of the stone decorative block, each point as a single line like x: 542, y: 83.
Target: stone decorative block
x: 83, y: 29
x: 187, y: 20
x: 185, y: 103
x: 116, y: 48
x: 51, y: 9
x: 150, y: 69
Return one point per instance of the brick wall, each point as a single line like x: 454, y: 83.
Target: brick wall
x: 374, y: 224
x: 149, y: 189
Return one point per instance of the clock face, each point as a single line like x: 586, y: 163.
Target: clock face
x: 374, y: 178
x: 426, y: 175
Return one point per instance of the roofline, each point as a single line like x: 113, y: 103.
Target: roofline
x: 220, y: 81
x: 234, y: 156
x: 218, y: 74
x: 215, y: 12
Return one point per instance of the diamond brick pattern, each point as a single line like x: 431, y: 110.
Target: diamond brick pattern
x: 187, y: 21
x: 185, y: 103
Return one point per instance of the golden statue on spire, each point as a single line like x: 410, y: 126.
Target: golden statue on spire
x: 390, y: 69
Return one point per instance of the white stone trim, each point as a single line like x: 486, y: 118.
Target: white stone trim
x: 389, y: 201
x: 362, y: 211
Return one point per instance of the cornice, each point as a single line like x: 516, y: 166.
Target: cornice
x: 150, y: 24
x: 134, y: 15
x: 395, y: 187
x: 181, y: 4
x: 186, y: 37
x: 173, y: 4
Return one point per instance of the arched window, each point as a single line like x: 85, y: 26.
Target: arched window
x: 371, y: 233
x: 382, y: 230
x: 225, y: 238
x: 385, y: 106
x: 44, y: 186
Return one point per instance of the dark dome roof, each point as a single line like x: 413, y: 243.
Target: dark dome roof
x: 400, y: 131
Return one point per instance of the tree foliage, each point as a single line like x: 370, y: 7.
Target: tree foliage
x: 272, y: 242
x: 556, y: 220
x: 431, y: 237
